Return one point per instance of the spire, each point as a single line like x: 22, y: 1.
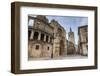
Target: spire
x: 70, y: 29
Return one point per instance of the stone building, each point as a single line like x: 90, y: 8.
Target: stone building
x: 71, y: 42
x: 46, y: 39
x: 59, y: 42
x: 83, y: 40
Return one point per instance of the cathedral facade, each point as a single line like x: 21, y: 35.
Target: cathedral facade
x: 46, y: 39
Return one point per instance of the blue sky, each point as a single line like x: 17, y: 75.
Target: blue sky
x: 70, y: 21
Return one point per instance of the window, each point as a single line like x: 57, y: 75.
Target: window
x: 46, y: 38
x: 31, y: 22
x: 48, y: 47
x: 42, y: 37
x: 35, y: 35
x: 37, y: 47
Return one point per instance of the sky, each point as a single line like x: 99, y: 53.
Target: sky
x: 68, y: 22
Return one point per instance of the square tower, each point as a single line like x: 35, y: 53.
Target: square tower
x: 71, y: 43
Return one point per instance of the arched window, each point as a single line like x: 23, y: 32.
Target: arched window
x: 35, y: 35
x: 47, y: 38
x: 42, y: 37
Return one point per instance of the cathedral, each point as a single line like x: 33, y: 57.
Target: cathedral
x: 48, y: 39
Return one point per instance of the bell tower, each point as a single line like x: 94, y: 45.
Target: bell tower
x: 71, y: 42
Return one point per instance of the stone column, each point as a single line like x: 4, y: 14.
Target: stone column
x: 32, y: 34
x: 39, y: 36
x: 44, y: 37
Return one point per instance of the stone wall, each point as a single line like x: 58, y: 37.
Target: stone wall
x: 41, y: 23
x: 59, y: 43
x: 83, y: 40
x: 38, y: 49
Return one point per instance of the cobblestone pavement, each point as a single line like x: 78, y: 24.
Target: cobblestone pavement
x: 61, y: 57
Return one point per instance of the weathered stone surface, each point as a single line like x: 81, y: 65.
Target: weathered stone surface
x: 59, y: 43
x: 83, y: 40
x: 49, y: 39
